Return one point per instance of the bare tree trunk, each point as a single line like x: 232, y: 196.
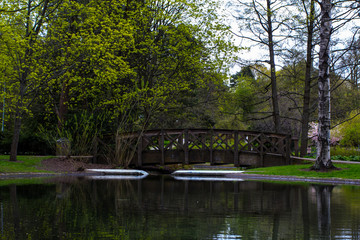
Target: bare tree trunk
x: 63, y: 107
x: 275, y: 102
x: 18, y: 118
x: 15, y: 138
x: 307, y: 87
x: 323, y: 144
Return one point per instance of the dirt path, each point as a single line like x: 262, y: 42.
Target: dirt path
x: 62, y: 165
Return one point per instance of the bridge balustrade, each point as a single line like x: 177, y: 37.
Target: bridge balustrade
x: 215, y: 146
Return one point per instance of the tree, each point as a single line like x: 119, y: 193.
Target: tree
x: 244, y: 72
x: 180, y: 49
x: 62, y: 43
x: 264, y: 23
x: 93, y: 38
x: 133, y: 61
x: 306, y: 110
x: 23, y: 27
x: 323, y: 160
x: 239, y: 101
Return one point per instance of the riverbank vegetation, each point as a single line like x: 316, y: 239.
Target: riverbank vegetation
x: 344, y: 171
x: 84, y: 72
x: 33, y: 164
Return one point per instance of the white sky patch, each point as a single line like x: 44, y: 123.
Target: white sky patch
x: 261, y: 53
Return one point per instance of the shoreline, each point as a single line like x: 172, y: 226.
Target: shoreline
x: 244, y: 176
x: 330, y: 181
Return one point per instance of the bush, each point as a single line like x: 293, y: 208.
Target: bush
x: 342, y: 151
x: 351, y: 132
x: 80, y: 130
x: 346, y: 158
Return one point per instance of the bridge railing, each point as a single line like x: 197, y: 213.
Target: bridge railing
x: 211, y: 140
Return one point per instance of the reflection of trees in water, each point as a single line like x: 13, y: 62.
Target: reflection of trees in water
x: 323, y: 197
x: 163, y: 208
x: 15, y: 211
x: 140, y: 209
x: 321, y: 200
x: 305, y: 213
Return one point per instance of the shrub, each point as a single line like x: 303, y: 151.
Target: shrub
x: 344, y: 151
x: 351, y: 132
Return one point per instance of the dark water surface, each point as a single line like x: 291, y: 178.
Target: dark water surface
x: 165, y: 208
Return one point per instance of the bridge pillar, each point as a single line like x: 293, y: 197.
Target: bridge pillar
x: 261, y: 149
x: 139, y: 150
x: 161, y: 145
x: 236, y: 148
x: 288, y: 150
x: 186, y: 146
x: 211, y: 146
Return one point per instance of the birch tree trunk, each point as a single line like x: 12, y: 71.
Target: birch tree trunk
x: 323, y: 160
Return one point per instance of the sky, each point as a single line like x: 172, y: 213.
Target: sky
x: 261, y: 53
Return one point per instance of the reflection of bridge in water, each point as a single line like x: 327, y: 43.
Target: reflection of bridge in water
x: 189, y: 146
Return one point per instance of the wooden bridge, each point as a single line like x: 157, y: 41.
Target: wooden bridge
x: 189, y: 146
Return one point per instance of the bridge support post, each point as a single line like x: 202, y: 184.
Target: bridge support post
x: 186, y: 146
x: 211, y: 146
x: 288, y: 150
x: 139, y: 150
x: 161, y: 145
x: 236, y: 148
x: 295, y: 141
x: 261, y: 140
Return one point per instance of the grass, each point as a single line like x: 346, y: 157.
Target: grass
x: 24, y: 164
x: 23, y: 181
x: 348, y: 171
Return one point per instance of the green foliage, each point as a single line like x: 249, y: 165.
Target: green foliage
x: 240, y: 101
x: 351, y: 132
x: 344, y: 151
x: 345, y: 99
x: 245, y: 72
x: 245, y: 94
x: 80, y: 130
x: 134, y: 61
x: 346, y: 158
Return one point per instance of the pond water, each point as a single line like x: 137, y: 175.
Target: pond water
x: 161, y: 207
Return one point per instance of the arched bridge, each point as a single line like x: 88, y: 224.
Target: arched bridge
x: 189, y: 146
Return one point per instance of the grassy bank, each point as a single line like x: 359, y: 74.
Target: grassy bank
x: 30, y: 164
x: 24, y: 164
x: 347, y: 171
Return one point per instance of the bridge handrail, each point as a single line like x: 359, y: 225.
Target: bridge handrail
x: 211, y: 140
